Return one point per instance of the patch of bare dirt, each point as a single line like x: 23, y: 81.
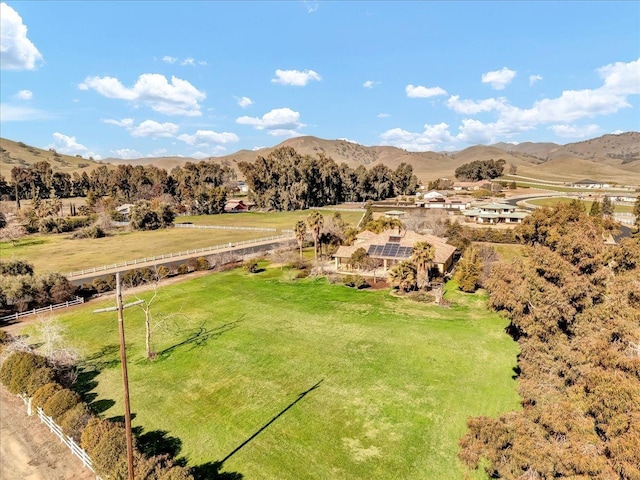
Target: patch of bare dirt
x: 29, y: 451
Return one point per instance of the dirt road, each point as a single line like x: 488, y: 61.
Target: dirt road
x: 29, y: 451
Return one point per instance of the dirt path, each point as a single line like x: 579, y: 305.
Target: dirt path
x: 29, y: 451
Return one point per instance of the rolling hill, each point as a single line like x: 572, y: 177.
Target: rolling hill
x: 612, y: 158
x: 13, y: 154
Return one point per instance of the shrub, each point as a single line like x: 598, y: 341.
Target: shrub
x: 39, y: 378
x: 90, y: 232
x: 60, y: 402
x: 4, y: 337
x: 356, y: 282
x: 74, y: 420
x: 251, y: 266
x: 202, y: 264
x: 17, y: 369
x: 162, y: 271
x: 422, y: 297
x: 110, y: 454
x: 44, y: 393
x: 183, y: 269
x: 16, y: 267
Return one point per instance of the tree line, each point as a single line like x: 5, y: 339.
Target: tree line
x: 284, y: 180
x: 574, y: 309
x: 287, y: 180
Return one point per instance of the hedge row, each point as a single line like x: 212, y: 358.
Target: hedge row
x: 105, y: 442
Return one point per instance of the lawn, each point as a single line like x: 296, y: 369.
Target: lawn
x: 59, y: 252
x: 551, y: 202
x: 277, y: 220
x: 394, y: 380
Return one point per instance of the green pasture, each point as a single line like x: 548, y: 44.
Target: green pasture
x: 277, y: 220
x: 550, y: 202
x: 347, y: 384
x: 60, y: 252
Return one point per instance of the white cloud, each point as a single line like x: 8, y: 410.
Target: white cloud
x: 153, y: 129
x: 148, y: 128
x: 433, y: 137
x: 17, y: 52
x: 70, y: 146
x: 125, y: 122
x: 576, y: 131
x: 126, y: 153
x: 205, y: 137
x: 471, y: 107
x: 24, y: 95
x: 533, y: 79
x: 370, y: 84
x: 283, y: 132
x: 423, y: 92
x: 499, y: 79
x: 279, y: 122
x: 295, y: 78
x: 17, y: 113
x: 152, y: 89
x: 312, y: 7
x: 214, y: 152
x: 244, y: 102
x: 169, y: 59
x: 617, y: 132
x: 188, y: 61
x: 621, y: 78
x: 383, y: 115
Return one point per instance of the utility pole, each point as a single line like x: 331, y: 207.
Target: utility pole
x: 125, y: 378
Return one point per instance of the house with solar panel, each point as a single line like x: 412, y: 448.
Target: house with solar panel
x: 394, y: 246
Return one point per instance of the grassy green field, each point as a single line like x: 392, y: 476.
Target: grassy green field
x: 395, y: 380
x: 550, y: 202
x: 278, y: 220
x: 63, y: 254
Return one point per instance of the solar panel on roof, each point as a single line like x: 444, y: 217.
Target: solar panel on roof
x: 394, y: 239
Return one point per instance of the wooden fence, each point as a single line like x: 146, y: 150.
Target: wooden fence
x: 68, y: 441
x: 50, y: 308
x: 224, y: 227
x: 166, y: 256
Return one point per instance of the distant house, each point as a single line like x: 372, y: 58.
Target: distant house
x: 471, y: 186
x: 495, y: 213
x: 586, y: 183
x: 125, y: 210
x: 446, y: 203
x: 393, y: 246
x: 236, y: 206
x: 399, y: 214
x: 433, y: 194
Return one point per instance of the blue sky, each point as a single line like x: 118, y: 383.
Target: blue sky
x: 136, y: 79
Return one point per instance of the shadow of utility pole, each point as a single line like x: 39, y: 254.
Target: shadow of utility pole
x: 300, y: 397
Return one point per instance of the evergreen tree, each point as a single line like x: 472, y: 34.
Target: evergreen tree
x: 469, y: 270
x: 607, y: 206
x: 596, y: 209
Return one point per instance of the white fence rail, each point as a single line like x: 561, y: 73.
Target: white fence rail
x: 168, y: 256
x: 68, y: 441
x: 49, y: 308
x: 224, y: 227
x: 624, y: 217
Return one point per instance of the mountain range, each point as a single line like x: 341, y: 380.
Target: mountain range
x: 613, y: 158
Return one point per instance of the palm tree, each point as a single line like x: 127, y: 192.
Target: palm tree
x: 403, y: 276
x: 423, y: 253
x: 315, y: 221
x: 300, y: 231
